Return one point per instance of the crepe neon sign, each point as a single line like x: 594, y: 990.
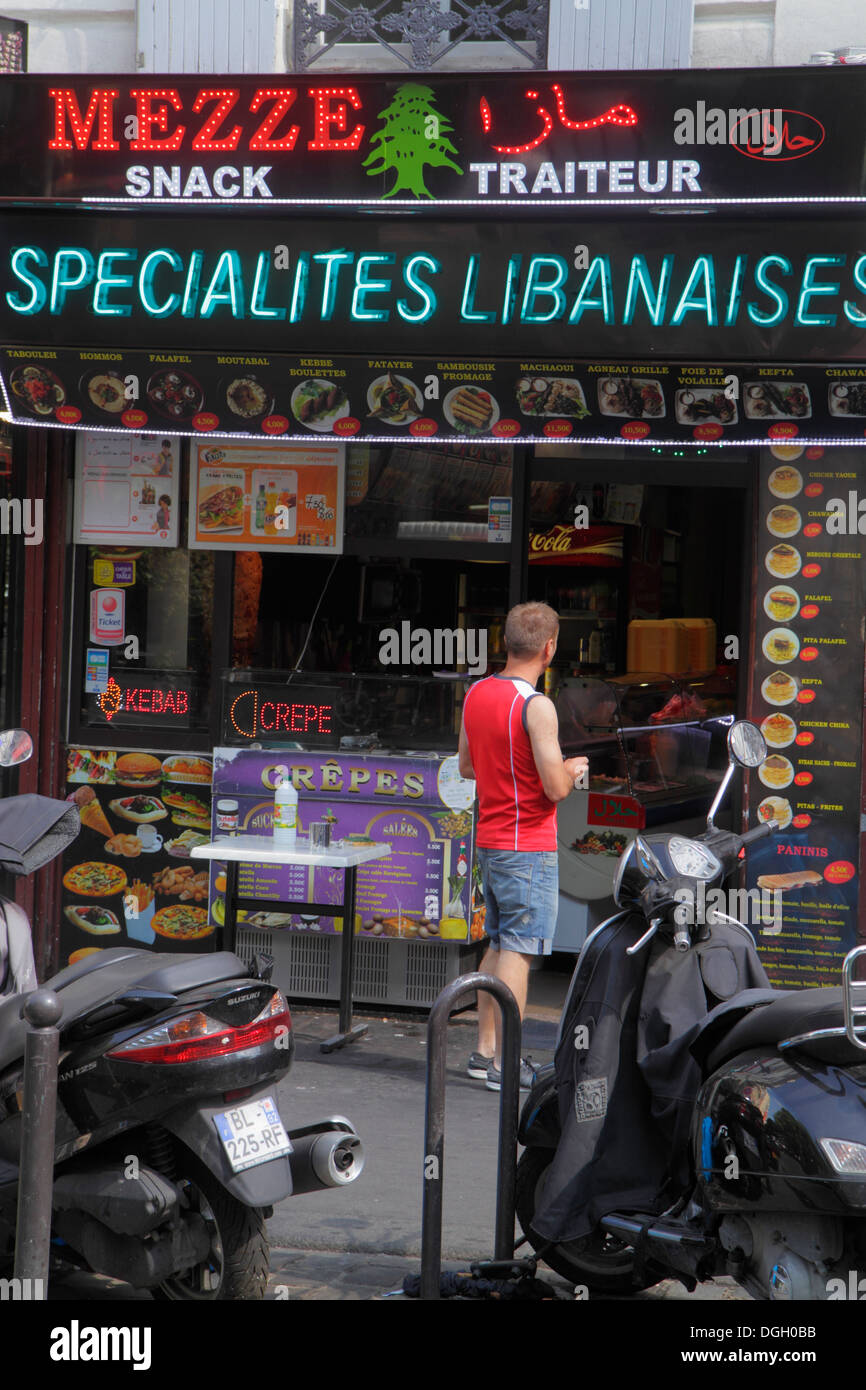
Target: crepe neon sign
x: 275, y: 716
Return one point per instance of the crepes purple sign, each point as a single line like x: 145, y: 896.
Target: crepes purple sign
x: 419, y: 805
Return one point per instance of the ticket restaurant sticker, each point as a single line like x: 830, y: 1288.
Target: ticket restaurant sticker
x: 266, y: 497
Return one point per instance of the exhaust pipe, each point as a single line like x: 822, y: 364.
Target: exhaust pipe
x: 329, y: 1154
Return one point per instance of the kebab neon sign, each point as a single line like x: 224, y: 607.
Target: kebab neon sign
x: 141, y: 700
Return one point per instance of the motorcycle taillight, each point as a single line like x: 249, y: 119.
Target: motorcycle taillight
x: 193, y: 1037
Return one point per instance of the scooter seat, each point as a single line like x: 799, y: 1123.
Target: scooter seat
x: 81, y: 990
x: 794, y: 1014
x: 180, y: 973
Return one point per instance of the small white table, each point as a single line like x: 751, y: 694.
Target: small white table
x: 233, y: 850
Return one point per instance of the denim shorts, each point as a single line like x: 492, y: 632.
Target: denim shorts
x: 521, y: 894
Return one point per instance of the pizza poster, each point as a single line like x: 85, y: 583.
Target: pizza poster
x: 128, y: 878
x: 267, y: 497
x: 126, y: 489
x: 807, y: 698
x: 425, y: 890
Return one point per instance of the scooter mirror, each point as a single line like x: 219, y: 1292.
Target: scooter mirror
x: 16, y: 746
x: 746, y: 744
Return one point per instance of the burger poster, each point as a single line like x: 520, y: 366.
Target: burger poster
x: 267, y: 497
x: 807, y: 699
x: 128, y: 879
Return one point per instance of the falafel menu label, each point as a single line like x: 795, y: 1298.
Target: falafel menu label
x: 806, y: 697
x: 126, y: 489
x: 266, y: 497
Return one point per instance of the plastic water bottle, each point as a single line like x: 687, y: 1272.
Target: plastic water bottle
x: 285, y: 812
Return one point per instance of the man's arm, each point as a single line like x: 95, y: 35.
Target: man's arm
x: 557, y: 774
x: 464, y: 761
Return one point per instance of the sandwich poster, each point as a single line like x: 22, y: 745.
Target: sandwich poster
x: 126, y: 489
x: 128, y: 879
x: 807, y: 699
x: 267, y: 497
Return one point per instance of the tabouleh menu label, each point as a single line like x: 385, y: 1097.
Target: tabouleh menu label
x: 342, y: 398
x: 806, y: 697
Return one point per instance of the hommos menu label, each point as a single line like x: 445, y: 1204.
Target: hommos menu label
x: 806, y: 697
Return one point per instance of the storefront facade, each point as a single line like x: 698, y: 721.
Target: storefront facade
x: 334, y: 369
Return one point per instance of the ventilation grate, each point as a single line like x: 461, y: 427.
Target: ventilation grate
x: 305, y: 967
x: 371, y: 970
x: 247, y: 946
x: 426, y: 971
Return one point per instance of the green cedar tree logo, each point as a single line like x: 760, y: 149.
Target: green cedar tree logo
x: 414, y: 135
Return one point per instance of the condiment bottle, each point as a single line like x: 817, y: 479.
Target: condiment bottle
x: 285, y: 812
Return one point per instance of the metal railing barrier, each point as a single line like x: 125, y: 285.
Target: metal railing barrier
x: 434, y: 1125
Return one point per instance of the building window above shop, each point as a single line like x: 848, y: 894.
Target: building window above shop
x: 418, y: 34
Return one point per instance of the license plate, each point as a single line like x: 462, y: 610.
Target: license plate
x: 252, y: 1134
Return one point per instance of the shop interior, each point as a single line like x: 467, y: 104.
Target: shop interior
x: 648, y: 612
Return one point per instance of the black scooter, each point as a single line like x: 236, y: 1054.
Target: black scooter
x: 696, y: 1123
x: 169, y: 1150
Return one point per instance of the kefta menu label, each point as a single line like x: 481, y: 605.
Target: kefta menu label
x: 806, y: 697
x: 509, y: 138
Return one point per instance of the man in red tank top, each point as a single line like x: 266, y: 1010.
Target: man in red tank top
x: 509, y: 743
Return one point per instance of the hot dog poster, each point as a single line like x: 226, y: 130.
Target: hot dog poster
x: 128, y: 879
x: 267, y: 497
x: 806, y: 696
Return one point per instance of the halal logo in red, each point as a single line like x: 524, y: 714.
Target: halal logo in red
x: 783, y: 135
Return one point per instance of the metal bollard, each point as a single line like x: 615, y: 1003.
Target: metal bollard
x: 434, y: 1127
x: 36, y: 1172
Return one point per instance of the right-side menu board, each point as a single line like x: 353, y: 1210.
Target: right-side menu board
x: 807, y: 697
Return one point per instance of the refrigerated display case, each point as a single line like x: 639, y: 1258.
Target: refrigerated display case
x: 656, y: 749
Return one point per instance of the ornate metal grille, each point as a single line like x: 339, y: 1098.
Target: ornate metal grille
x: 13, y: 46
x: 420, y: 34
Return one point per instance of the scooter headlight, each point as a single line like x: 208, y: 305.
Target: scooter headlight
x: 847, y: 1158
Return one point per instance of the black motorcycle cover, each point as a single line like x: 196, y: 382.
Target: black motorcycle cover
x: 626, y: 1080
